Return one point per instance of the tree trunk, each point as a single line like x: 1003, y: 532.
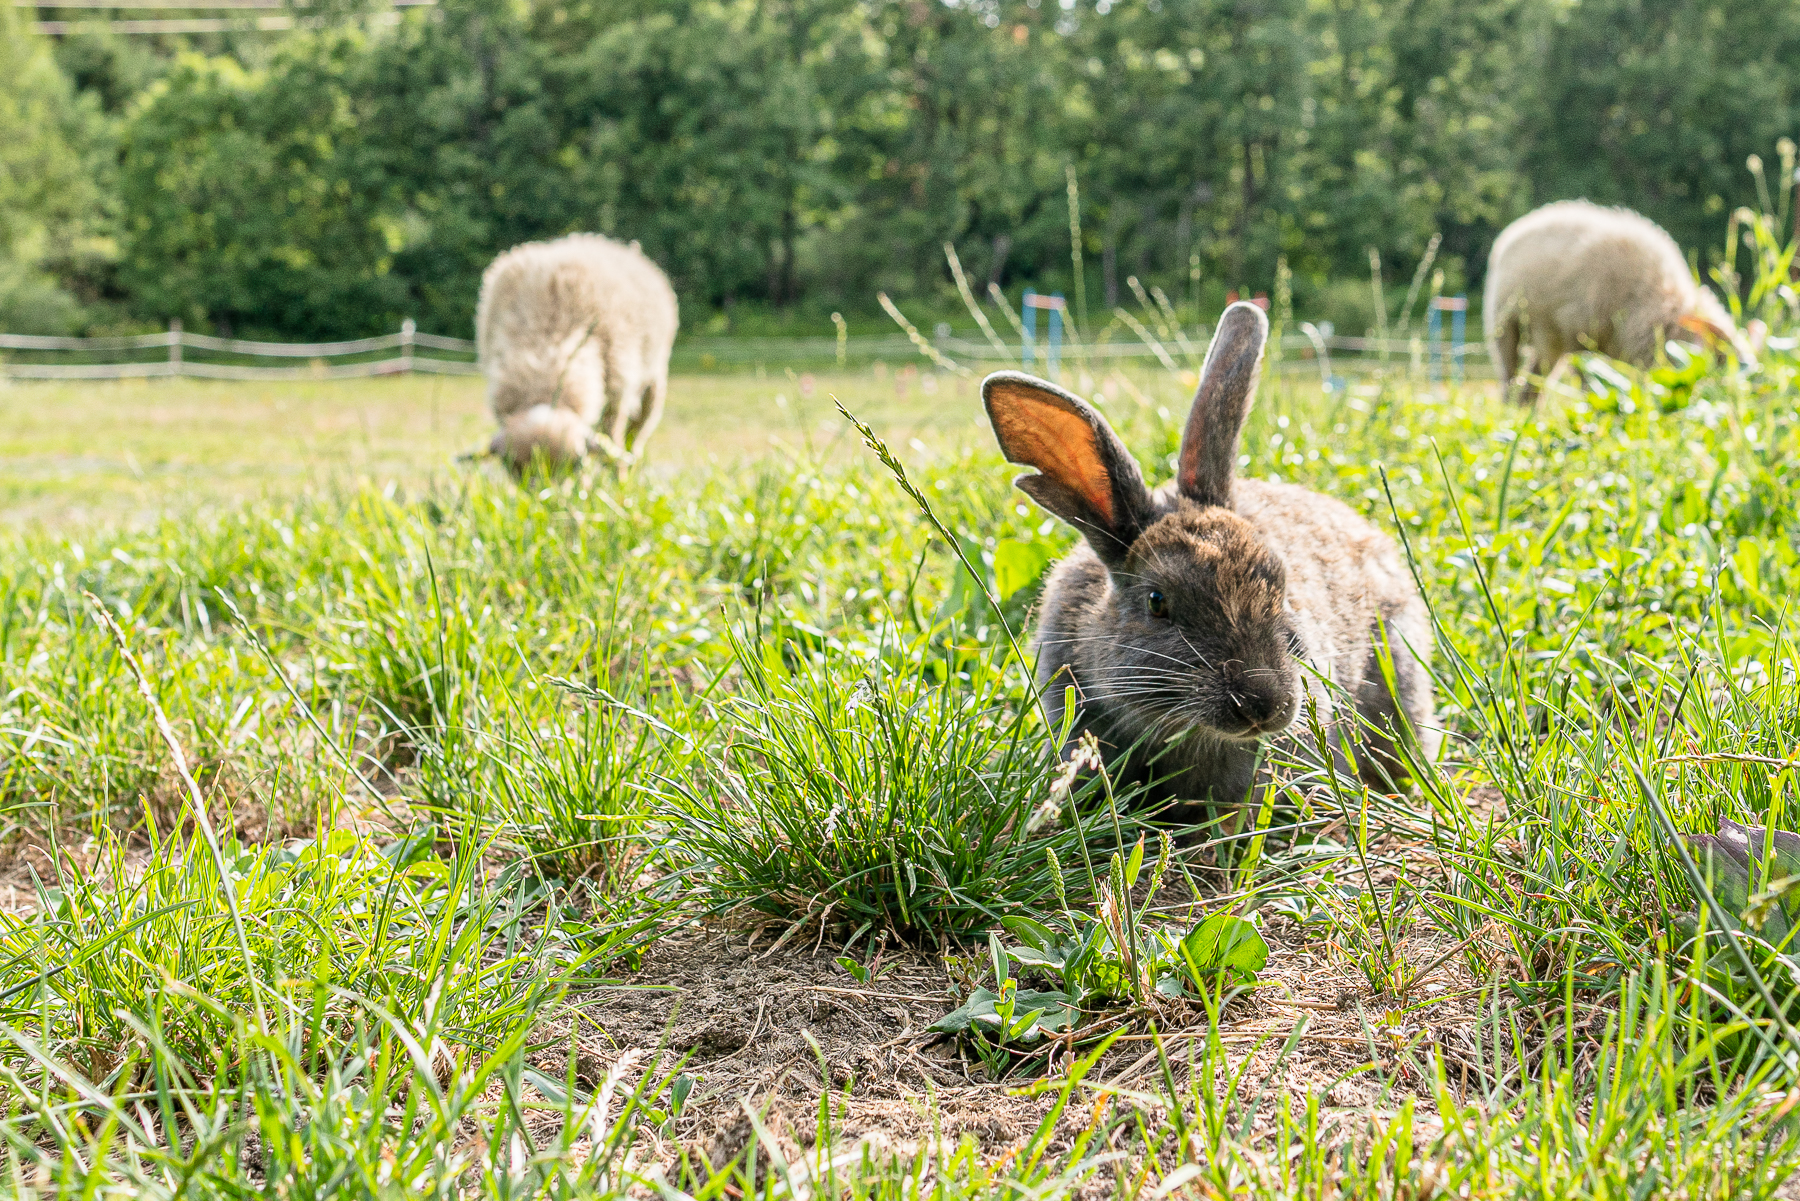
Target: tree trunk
x: 789, y: 228
x: 997, y: 264
x: 1240, y: 250
x: 1184, y: 222
x: 1109, y: 269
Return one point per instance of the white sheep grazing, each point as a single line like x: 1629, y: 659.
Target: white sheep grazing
x: 574, y: 337
x: 1574, y: 276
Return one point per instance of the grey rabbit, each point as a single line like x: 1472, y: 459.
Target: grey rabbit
x: 1188, y: 610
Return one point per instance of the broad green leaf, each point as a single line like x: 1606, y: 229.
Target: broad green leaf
x: 1053, y: 958
x: 1036, y: 935
x: 1725, y: 862
x: 1734, y: 859
x: 1050, y: 1012
x: 1225, y: 944
x: 1784, y: 843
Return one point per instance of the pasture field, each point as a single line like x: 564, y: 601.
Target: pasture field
x: 609, y: 838
x: 126, y: 452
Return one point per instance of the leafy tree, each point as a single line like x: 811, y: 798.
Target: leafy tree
x: 50, y: 202
x: 1186, y: 125
x: 1656, y: 104
x: 710, y: 131
x: 812, y: 151
x: 464, y: 150
x: 240, y: 199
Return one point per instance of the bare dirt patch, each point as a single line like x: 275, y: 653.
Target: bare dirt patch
x: 775, y: 1029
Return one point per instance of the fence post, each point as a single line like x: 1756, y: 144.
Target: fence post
x: 1458, y: 324
x: 1029, y: 316
x: 407, y: 330
x: 1458, y: 308
x: 1054, y: 359
x: 175, y: 346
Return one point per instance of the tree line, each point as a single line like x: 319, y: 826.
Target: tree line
x: 797, y: 155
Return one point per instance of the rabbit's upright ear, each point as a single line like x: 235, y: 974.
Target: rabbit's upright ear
x: 1087, y: 477
x: 1209, y: 445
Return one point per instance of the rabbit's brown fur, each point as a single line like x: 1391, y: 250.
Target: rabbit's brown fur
x: 1189, y: 611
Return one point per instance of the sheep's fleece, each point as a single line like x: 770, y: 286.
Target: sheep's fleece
x: 574, y: 337
x: 1572, y: 276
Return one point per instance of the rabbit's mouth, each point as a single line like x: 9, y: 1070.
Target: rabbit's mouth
x: 1252, y: 718
x: 1258, y: 731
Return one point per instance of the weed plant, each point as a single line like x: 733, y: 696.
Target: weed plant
x: 329, y: 923
x: 857, y: 791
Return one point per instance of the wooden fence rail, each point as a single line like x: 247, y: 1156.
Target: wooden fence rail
x: 175, y: 361
x: 180, y: 353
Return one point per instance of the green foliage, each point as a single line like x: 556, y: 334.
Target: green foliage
x: 809, y: 152
x: 50, y: 186
x: 1117, y: 953
x: 1012, y: 1015
x: 1750, y: 869
x: 862, y: 793
x: 328, y: 923
x: 383, y: 1117
x: 1658, y: 105
x: 236, y: 211
x: 482, y: 687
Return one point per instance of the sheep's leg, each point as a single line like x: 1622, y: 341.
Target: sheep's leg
x: 1553, y: 382
x: 613, y: 418
x: 1506, y: 355
x: 1540, y: 366
x: 1527, y: 378
x: 649, y: 412
x: 622, y: 414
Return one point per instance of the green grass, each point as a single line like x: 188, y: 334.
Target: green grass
x: 469, y: 749
x: 85, y: 455
x: 864, y: 793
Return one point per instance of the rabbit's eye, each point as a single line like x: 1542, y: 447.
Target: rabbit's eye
x: 1159, y: 605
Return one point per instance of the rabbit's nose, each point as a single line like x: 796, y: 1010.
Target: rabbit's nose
x: 1255, y: 708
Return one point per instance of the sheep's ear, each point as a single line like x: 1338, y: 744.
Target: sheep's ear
x: 1086, y: 476
x: 1209, y: 445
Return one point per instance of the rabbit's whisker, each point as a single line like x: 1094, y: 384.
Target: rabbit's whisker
x: 1138, y: 695
x: 1197, y: 654
x: 1122, y: 642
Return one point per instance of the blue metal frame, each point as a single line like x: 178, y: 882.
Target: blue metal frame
x: 1053, y: 348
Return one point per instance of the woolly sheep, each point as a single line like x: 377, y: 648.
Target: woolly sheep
x: 1575, y: 276
x: 574, y: 338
